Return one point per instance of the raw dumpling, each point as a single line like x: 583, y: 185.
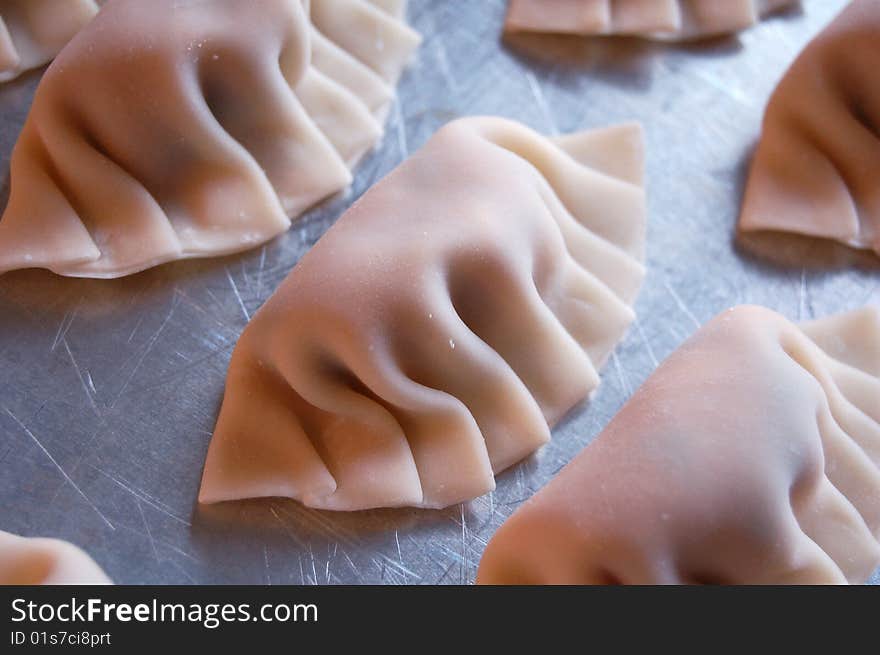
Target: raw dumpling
x: 815, y: 169
x: 194, y: 128
x: 429, y: 339
x: 45, y: 562
x: 32, y: 32
x: 750, y: 456
x: 654, y: 19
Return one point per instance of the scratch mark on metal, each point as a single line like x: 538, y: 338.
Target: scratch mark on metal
x: 186, y: 368
x: 177, y: 550
x: 446, y: 571
x: 58, y: 466
x: 245, y: 276
x: 320, y: 524
x: 148, y: 531
x: 152, y: 342
x: 647, y: 344
x: 681, y: 304
x: 181, y: 570
x: 443, y: 65
x: 142, y: 496
x: 91, y: 382
x: 724, y: 87
x: 266, y: 561
x: 244, y: 310
x: 464, y: 546
x: 286, y: 528
x: 136, y: 328
x: 401, y: 129
x: 676, y: 335
x: 64, y: 327
x: 214, y: 298
x: 621, y: 376
x: 541, y: 101
x: 260, y: 272
x: 354, y: 569
x: 452, y: 554
x: 198, y: 307
x: 400, y: 567
x: 314, y: 570
x: 805, y: 303
x: 82, y: 380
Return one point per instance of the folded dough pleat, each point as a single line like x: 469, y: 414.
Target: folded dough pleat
x: 813, y: 170
x: 50, y: 232
x: 363, y: 446
x: 9, y: 57
x: 291, y: 465
x: 342, y: 67
x: 741, y: 460
x: 441, y: 327
x: 445, y: 353
x: 37, y: 561
x: 673, y: 20
x: 500, y: 303
x: 32, y: 32
x: 374, y: 37
x: 395, y: 8
x: 173, y: 130
x: 340, y: 115
x: 282, y: 138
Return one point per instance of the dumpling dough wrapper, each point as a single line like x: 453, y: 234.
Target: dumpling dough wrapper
x: 815, y: 169
x: 439, y: 329
x: 751, y: 456
x: 195, y: 128
x: 38, y: 561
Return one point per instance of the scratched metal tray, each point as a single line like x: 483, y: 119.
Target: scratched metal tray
x: 109, y: 390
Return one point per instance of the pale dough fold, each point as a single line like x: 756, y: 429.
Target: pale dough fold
x: 668, y: 20
x: 193, y: 128
x: 441, y: 326
x: 749, y: 457
x: 32, y: 32
x: 26, y: 561
x: 815, y: 169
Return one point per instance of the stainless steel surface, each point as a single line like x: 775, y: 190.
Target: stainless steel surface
x: 109, y: 390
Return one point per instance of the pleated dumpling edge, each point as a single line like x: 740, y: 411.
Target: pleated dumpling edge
x: 813, y: 172
x: 439, y: 329
x: 242, y: 115
x: 751, y: 456
x: 32, y: 32
x: 662, y: 20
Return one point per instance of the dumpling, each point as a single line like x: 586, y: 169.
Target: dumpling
x: 431, y: 337
x: 672, y: 20
x: 187, y: 128
x: 814, y: 171
x: 32, y: 32
x: 46, y: 562
x: 751, y: 456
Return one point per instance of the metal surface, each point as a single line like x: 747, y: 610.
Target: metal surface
x: 109, y: 390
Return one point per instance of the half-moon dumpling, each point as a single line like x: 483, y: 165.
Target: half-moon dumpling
x: 752, y: 455
x: 26, y: 561
x: 673, y: 20
x: 32, y: 32
x: 186, y: 128
x: 815, y: 169
x: 461, y: 307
